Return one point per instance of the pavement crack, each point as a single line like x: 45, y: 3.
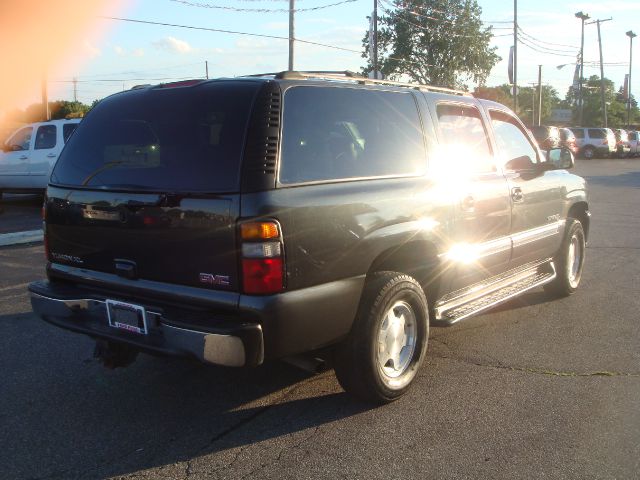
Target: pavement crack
x: 542, y: 371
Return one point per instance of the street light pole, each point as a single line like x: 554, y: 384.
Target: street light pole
x: 631, y: 35
x: 291, y: 32
x: 602, y: 99
x: 375, y: 38
x: 582, y: 16
x: 515, y: 56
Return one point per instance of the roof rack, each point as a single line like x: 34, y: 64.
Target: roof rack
x: 347, y: 75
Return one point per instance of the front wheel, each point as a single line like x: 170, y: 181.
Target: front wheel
x: 387, y: 344
x: 569, y: 261
x: 588, y: 153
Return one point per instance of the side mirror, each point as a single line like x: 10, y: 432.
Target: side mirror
x: 520, y: 164
x: 561, y: 158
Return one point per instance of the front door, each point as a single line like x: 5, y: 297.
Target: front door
x: 44, y: 155
x: 14, y: 162
x: 536, y: 195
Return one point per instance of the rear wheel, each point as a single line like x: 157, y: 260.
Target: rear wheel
x: 388, y: 341
x: 569, y: 261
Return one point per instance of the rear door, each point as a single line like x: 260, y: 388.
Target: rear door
x: 148, y: 185
x: 465, y: 163
x: 46, y: 148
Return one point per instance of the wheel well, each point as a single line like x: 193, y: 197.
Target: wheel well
x: 579, y: 211
x: 417, y: 259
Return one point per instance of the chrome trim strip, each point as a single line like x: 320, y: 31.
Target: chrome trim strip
x: 538, y: 233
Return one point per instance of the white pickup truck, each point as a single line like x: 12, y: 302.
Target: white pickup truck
x: 28, y: 156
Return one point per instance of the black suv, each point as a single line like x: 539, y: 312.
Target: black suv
x: 247, y: 219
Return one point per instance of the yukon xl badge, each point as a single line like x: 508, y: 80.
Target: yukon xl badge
x: 210, y: 279
x: 62, y: 257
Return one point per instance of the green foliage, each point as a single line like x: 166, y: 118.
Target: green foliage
x: 66, y: 109
x: 437, y: 42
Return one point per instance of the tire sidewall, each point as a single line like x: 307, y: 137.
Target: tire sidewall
x: 410, y: 292
x: 575, y: 229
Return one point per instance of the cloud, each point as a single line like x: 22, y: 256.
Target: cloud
x: 138, y: 52
x: 90, y: 50
x: 172, y: 45
x: 119, y: 51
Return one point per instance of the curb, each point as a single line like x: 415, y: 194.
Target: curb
x: 18, y: 238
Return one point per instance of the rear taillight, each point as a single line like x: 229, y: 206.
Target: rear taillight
x: 605, y: 142
x: 262, y: 258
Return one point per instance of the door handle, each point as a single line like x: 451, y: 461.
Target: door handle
x: 52, y: 155
x: 516, y: 194
x: 468, y: 204
x: 23, y: 157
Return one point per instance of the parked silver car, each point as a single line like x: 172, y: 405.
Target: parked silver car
x: 594, y: 142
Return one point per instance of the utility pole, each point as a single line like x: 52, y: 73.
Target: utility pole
x: 582, y: 16
x: 631, y: 35
x: 75, y: 89
x: 539, y: 95
x: 515, y: 56
x: 45, y: 98
x: 375, y: 38
x: 291, y: 37
x: 602, y: 99
x: 206, y: 69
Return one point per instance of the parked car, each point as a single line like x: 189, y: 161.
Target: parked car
x: 29, y: 154
x: 546, y: 136
x: 241, y: 220
x: 623, y: 148
x: 594, y: 142
x: 568, y: 140
x: 634, y: 143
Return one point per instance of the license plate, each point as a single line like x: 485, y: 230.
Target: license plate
x: 127, y: 316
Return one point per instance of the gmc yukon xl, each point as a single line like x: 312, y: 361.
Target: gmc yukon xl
x: 241, y: 220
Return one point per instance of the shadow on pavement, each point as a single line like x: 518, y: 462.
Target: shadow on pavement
x: 629, y: 179
x: 65, y: 416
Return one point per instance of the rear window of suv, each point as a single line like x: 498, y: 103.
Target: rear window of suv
x: 187, y: 139
x: 597, y: 133
x: 332, y: 133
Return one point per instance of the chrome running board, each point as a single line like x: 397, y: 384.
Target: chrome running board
x: 485, y: 295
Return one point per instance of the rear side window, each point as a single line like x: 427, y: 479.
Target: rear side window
x: 334, y: 133
x: 67, y: 130
x: 463, y: 140
x: 45, y: 137
x: 578, y: 132
x: 597, y: 133
x: 186, y: 139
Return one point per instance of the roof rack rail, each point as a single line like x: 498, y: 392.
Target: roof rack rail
x: 347, y: 75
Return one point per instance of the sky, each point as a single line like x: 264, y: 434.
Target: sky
x: 114, y: 55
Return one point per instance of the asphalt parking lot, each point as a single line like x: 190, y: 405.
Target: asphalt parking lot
x: 533, y: 389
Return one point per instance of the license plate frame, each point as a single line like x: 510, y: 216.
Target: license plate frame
x: 127, y: 316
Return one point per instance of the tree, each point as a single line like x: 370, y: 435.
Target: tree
x: 66, y: 109
x: 616, y: 104
x: 527, y: 100
x: 437, y: 42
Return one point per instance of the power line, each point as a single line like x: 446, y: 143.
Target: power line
x: 537, y: 49
x: 259, y: 10
x: 275, y: 37
x: 537, y: 40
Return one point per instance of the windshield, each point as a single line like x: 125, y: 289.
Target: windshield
x: 163, y: 139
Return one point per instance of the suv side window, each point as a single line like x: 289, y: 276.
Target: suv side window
x: 45, y: 137
x: 67, y: 130
x: 332, y: 133
x: 597, y: 133
x: 511, y: 139
x: 463, y: 140
x: 21, y: 140
x: 578, y: 132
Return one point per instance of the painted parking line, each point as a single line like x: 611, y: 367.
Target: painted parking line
x: 17, y: 238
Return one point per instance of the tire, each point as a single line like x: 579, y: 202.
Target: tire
x: 388, y: 341
x: 569, y: 261
x: 588, y: 152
